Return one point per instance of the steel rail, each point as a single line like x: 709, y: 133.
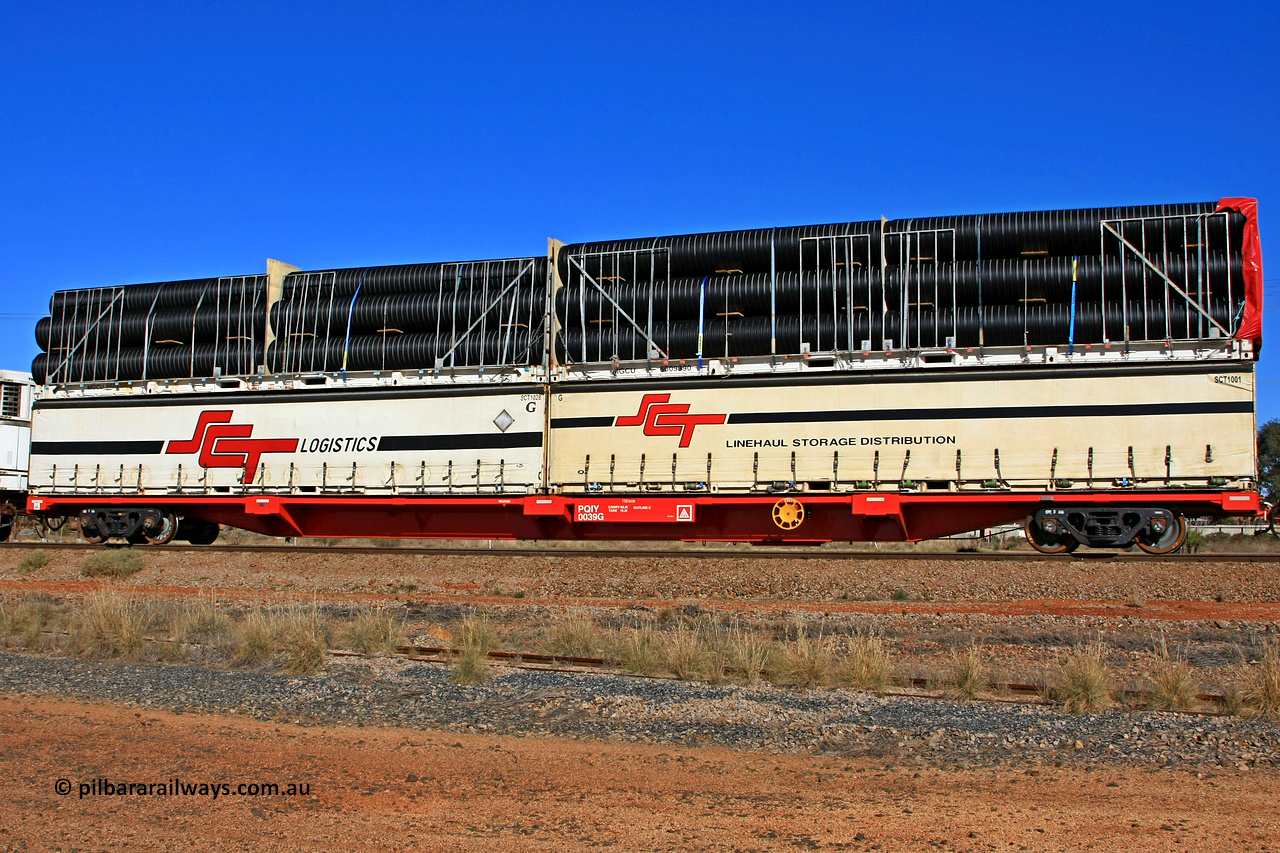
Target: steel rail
x: 908, y: 686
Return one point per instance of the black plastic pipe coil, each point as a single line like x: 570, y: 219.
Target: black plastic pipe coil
x: 160, y: 362
x: 418, y: 278
x: 1009, y: 274
x: 397, y: 352
x: 1002, y: 325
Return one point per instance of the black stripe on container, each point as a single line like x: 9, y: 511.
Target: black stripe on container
x: 985, y: 412
x: 466, y: 441
x: 575, y: 423
x: 89, y: 448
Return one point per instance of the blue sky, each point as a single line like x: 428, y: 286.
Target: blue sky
x: 143, y: 142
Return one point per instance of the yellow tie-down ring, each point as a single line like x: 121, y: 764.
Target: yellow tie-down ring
x: 788, y: 513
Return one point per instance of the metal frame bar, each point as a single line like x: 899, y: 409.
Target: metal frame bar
x: 1106, y: 224
x: 649, y: 342
x: 479, y: 320
x: 84, y: 338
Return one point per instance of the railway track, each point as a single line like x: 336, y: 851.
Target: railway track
x: 759, y: 553
x: 930, y: 688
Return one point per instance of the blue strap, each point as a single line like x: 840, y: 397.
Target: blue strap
x: 351, y: 309
x: 1071, y: 333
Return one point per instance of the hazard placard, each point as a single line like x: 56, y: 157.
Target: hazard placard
x: 634, y: 510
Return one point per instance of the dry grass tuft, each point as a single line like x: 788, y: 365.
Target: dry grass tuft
x: 1173, y: 687
x: 25, y: 619
x: 968, y: 676
x: 864, y: 665
x: 195, y: 623
x: 474, y: 638
x: 1082, y: 683
x: 472, y: 667
x: 804, y: 663
x: 637, y: 651
x: 688, y: 657
x: 746, y: 656
x: 477, y: 631
x: 114, y: 563
x: 253, y: 642
x: 1232, y: 702
x: 571, y: 637
x: 110, y: 626
x: 372, y: 632
x: 304, y: 639
x: 1263, y: 696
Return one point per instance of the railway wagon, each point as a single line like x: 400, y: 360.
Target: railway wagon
x: 1088, y: 373
x: 16, y: 395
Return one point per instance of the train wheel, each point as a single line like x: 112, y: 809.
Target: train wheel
x: 6, y: 527
x: 164, y: 534
x: 1168, y: 541
x: 1044, y: 543
x: 788, y: 513
x: 91, y: 534
x: 198, y: 531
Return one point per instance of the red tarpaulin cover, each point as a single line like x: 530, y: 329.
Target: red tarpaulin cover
x: 1251, y: 254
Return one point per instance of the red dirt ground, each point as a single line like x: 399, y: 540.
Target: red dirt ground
x: 476, y: 793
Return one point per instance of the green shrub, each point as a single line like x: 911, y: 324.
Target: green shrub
x: 475, y: 637
x: 471, y: 667
x: 32, y: 561
x: 113, y: 563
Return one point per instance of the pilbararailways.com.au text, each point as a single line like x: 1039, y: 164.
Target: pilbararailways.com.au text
x: 178, y: 787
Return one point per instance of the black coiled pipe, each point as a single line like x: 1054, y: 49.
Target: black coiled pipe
x: 158, y: 362
x: 1055, y: 232
x: 749, y: 294
x: 166, y: 294
x: 748, y: 336
x: 399, y: 352
x: 419, y: 278
x: 406, y: 312
x: 177, y: 325
x: 1006, y: 281
x: 705, y: 254
x: 919, y: 327
x: 1050, y: 325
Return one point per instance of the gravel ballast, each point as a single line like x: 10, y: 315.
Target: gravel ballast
x: 895, y: 729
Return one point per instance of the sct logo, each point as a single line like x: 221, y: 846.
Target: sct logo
x: 222, y: 444
x: 661, y: 417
